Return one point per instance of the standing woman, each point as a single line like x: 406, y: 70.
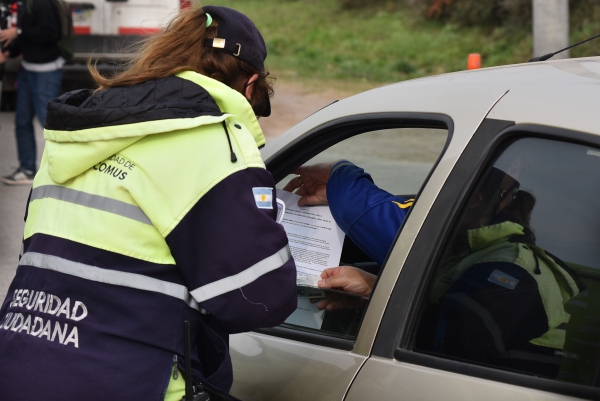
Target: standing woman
x: 152, y: 206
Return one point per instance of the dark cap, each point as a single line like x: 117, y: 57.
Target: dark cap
x: 237, y: 36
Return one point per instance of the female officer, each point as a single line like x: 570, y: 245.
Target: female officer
x: 152, y: 206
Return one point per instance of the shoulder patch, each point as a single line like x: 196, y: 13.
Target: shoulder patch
x: 263, y: 196
x: 503, y: 279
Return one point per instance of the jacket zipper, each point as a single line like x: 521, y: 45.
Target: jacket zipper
x: 176, y: 370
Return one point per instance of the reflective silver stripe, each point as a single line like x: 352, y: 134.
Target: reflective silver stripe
x: 239, y: 280
x: 485, y: 316
x: 106, y: 276
x: 90, y: 200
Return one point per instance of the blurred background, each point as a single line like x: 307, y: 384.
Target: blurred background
x: 323, y: 50
x: 347, y: 45
x: 381, y: 41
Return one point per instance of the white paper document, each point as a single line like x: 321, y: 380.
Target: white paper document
x: 307, y: 314
x: 314, y: 237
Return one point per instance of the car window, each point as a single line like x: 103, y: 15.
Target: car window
x: 517, y: 286
x: 399, y: 161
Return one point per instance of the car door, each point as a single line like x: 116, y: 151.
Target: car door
x: 295, y: 363
x: 297, y: 360
x: 414, y: 357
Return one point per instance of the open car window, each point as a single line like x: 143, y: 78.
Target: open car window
x: 399, y: 161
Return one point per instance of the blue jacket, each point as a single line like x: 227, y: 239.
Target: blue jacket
x: 370, y: 216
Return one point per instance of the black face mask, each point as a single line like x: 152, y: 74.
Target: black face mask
x: 260, y: 109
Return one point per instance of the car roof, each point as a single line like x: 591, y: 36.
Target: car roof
x: 561, y: 93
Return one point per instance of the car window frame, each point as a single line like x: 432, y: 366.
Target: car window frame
x: 321, y: 138
x: 324, y: 136
x: 395, y: 337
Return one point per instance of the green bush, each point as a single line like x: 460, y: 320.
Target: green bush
x: 512, y: 15
x: 357, y: 4
x: 585, y: 22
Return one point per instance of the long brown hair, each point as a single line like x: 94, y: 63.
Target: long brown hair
x: 180, y: 47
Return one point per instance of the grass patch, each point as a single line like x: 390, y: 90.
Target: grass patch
x: 317, y: 40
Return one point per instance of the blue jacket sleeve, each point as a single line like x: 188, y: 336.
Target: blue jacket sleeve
x: 370, y: 216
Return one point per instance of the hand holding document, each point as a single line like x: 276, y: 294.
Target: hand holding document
x: 316, y: 244
x: 314, y: 237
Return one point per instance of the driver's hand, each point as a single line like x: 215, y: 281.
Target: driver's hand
x: 311, y: 183
x: 347, y: 279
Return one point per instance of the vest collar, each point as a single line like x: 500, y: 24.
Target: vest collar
x: 230, y: 102
x: 481, y: 238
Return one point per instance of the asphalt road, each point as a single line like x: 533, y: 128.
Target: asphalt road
x: 12, y: 201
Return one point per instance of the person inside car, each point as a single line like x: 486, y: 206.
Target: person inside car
x: 497, y: 298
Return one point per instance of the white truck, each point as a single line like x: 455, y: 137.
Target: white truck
x: 104, y: 31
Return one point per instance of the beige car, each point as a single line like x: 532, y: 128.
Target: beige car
x: 435, y: 138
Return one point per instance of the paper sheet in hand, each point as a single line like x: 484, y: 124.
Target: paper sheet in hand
x: 315, y: 239
x: 309, y: 294
x: 307, y: 314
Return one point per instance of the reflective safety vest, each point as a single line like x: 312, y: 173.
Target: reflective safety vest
x: 491, y: 247
x: 143, y: 214
x: 138, y: 182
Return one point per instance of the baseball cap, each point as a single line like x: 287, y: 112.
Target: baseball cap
x: 238, y: 36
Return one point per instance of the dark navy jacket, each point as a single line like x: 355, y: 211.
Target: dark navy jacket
x: 129, y: 233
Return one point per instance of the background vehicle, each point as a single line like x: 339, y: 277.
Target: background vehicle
x: 105, y: 31
x: 471, y: 121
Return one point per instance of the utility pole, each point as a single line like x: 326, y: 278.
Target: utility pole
x: 550, y: 27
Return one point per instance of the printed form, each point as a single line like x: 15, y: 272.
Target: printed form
x: 314, y: 237
x: 316, y: 244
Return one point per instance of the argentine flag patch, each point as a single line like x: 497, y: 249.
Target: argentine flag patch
x: 503, y: 279
x: 263, y: 197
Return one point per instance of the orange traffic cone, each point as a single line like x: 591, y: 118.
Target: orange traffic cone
x: 474, y: 61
